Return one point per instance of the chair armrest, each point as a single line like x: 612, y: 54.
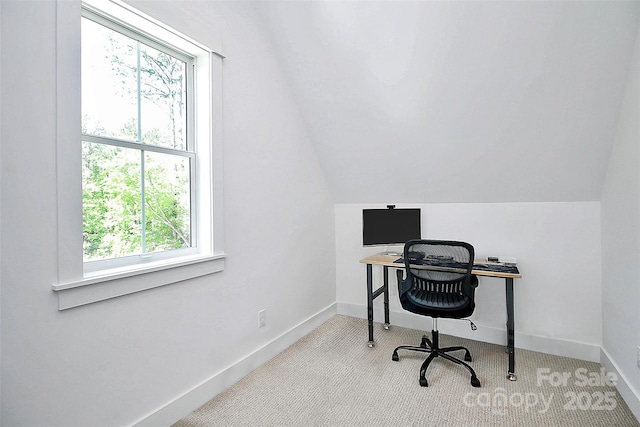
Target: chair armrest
x: 403, y: 285
x: 470, y: 290
x: 474, y: 281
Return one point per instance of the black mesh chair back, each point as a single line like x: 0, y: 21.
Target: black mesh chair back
x: 438, y: 283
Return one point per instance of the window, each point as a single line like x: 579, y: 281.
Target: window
x: 149, y: 172
x: 138, y: 156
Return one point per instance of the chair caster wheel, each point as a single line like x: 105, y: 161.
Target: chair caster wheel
x: 395, y: 357
x: 475, y: 382
x: 467, y: 357
x: 423, y: 382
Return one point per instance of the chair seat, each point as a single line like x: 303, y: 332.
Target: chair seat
x: 438, y: 300
x: 434, y: 304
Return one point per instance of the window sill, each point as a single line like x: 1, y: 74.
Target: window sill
x: 123, y: 282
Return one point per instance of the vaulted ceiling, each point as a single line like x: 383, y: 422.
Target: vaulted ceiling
x: 457, y: 101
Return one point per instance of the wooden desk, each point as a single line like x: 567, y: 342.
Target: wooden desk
x: 481, y: 268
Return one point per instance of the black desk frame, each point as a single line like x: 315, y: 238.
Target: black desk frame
x: 384, y: 290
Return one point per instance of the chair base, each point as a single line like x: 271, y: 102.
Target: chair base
x: 434, y: 350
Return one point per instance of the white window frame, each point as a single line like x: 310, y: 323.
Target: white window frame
x: 75, y: 286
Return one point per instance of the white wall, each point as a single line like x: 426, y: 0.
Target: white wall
x: 503, y: 89
x: 621, y: 245
x: 557, y: 301
x: 0, y: 227
x: 115, y: 362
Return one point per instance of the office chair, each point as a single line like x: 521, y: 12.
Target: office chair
x: 439, y: 284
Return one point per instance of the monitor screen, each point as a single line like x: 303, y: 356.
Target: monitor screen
x: 390, y: 226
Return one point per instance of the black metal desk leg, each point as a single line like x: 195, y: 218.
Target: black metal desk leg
x: 386, y: 297
x: 511, y: 373
x: 370, y: 303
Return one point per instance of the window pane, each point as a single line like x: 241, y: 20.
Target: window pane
x: 163, y: 99
x: 109, y: 83
x: 112, y: 201
x: 167, y: 202
x: 131, y: 91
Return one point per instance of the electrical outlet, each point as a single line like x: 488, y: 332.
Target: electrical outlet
x: 639, y: 357
x: 262, y: 318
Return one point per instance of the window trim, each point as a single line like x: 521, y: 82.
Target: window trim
x: 74, y: 288
x: 129, y: 280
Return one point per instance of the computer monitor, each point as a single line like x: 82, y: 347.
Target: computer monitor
x: 382, y: 227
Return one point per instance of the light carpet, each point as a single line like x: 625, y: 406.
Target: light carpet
x: 331, y: 378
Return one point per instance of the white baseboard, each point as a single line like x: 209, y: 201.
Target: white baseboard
x: 191, y: 400
x: 630, y: 395
x: 555, y: 346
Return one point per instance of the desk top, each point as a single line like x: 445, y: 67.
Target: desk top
x: 481, y: 267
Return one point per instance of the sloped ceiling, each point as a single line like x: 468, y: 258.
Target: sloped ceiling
x: 457, y: 101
